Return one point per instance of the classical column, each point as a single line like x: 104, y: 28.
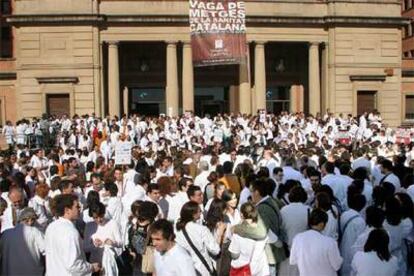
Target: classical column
x: 113, y: 79
x: 244, y: 86
x: 324, y: 79
x: 293, y: 103
x: 188, y: 78
x: 260, y: 76
x: 126, y: 100
x: 171, y: 91
x: 233, y: 104
x: 314, y: 79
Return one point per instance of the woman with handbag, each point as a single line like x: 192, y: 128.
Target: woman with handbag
x: 138, y: 242
x: 248, y: 255
x: 197, y: 239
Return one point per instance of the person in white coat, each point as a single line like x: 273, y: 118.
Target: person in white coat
x: 169, y: 257
x: 101, y: 232
x: 179, y: 199
x: 194, y: 237
x: 351, y: 226
x: 22, y: 247
x: 248, y: 253
x: 376, y: 258
x: 64, y: 252
x: 313, y: 252
x: 294, y: 221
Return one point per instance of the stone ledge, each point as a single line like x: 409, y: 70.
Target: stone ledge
x: 367, y: 77
x: 183, y: 19
x: 43, y: 80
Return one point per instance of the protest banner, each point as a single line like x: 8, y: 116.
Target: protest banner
x: 403, y: 135
x: 218, y: 32
x: 123, y: 153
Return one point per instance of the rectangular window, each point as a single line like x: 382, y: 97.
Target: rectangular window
x: 6, y: 42
x: 5, y: 7
x: 409, y: 107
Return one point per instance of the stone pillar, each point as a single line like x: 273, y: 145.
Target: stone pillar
x: 324, y: 79
x: 244, y: 85
x: 293, y: 100
x: 188, y: 78
x: 126, y: 100
x: 113, y: 79
x: 171, y: 91
x: 233, y: 103
x: 314, y: 79
x: 260, y: 76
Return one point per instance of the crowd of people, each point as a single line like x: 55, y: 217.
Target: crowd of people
x: 231, y: 194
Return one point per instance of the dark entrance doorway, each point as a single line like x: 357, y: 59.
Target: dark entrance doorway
x: 211, y: 100
x: 58, y: 104
x: 147, y: 101
x: 366, y: 101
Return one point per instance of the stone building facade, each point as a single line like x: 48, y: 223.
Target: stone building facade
x: 408, y: 62
x: 119, y: 56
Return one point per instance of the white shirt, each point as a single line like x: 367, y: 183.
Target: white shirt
x: 114, y: 208
x: 176, y: 203
x: 394, y: 180
x: 201, y: 180
x: 294, y: 219
x: 21, y: 250
x: 137, y: 193
x: 250, y: 252
x: 203, y: 240
x: 7, y: 218
x: 110, y: 230
x: 355, y: 225
x: 338, y: 184
x: 64, y: 252
x: 41, y: 207
x: 166, y: 264
x: 368, y: 263
x: 290, y: 173
x: 315, y: 254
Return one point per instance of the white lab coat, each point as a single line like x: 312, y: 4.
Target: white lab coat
x: 42, y: 209
x: 64, y: 252
x: 338, y: 184
x: 110, y: 230
x: 176, y: 203
x: 203, y: 240
x: 355, y: 225
x: 315, y: 254
x: 166, y: 264
x: 21, y: 250
x: 294, y: 219
x: 368, y: 263
x: 250, y: 252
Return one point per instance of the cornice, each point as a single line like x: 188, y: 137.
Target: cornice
x: 105, y: 20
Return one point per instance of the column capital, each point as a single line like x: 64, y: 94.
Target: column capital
x: 171, y: 42
x: 113, y: 43
x: 314, y: 43
x: 260, y: 43
x: 186, y: 43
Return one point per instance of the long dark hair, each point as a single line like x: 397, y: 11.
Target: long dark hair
x: 378, y: 241
x: 215, y: 214
x: 187, y: 214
